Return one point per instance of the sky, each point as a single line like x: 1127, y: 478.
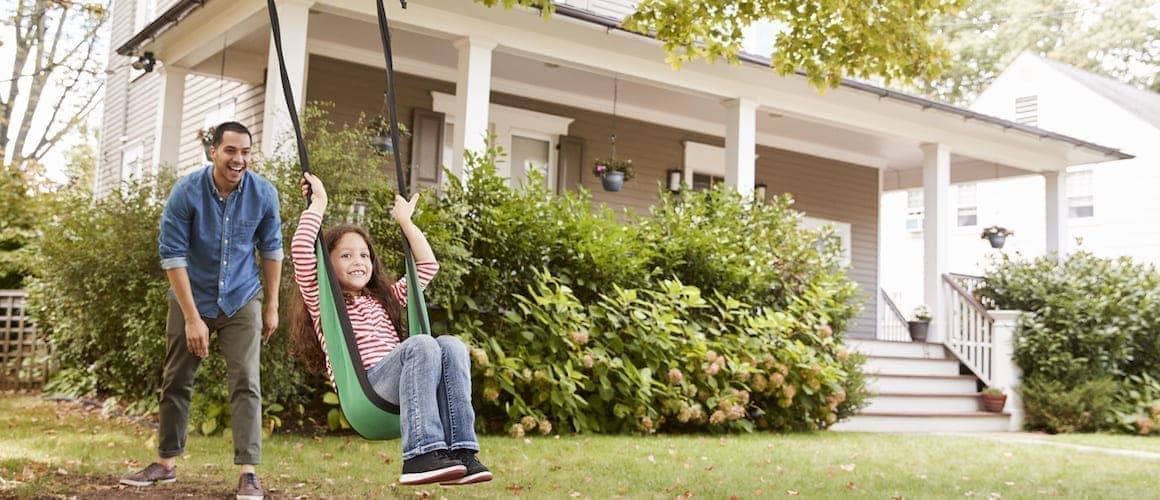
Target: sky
x: 55, y: 161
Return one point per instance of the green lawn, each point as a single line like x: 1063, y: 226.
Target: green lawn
x: 1121, y: 441
x: 60, y: 448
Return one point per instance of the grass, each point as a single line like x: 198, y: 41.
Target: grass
x: 1120, y: 441
x: 63, y: 449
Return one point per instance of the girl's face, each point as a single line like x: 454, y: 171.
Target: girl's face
x: 352, y: 263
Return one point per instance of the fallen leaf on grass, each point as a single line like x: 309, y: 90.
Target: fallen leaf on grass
x: 515, y: 489
x: 793, y: 493
x: 847, y: 467
x: 1010, y: 483
x: 573, y: 493
x: 850, y: 485
x: 327, y: 456
x: 298, y: 446
x: 652, y: 459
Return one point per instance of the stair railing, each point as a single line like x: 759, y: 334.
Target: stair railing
x: 893, y: 325
x: 969, y: 329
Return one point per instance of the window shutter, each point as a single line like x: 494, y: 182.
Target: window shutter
x: 426, y: 148
x: 570, y: 163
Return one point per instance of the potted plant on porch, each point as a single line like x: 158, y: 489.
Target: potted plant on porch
x: 997, y: 235
x: 993, y: 399
x: 920, y: 324
x: 613, y: 172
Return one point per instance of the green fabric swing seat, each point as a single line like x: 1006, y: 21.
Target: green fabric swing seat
x: 367, y: 412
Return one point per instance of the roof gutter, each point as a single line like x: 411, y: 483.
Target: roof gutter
x: 882, y: 93
x: 172, y: 15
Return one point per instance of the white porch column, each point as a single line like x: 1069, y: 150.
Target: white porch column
x: 936, y: 182
x: 277, y: 131
x: 472, y: 98
x: 741, y: 145
x: 1005, y: 374
x: 167, y: 128
x: 1056, y: 210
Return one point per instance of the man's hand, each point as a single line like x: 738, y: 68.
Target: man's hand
x: 197, y: 337
x: 269, y: 321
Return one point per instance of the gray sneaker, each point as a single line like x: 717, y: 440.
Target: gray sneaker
x: 249, y: 488
x: 153, y: 474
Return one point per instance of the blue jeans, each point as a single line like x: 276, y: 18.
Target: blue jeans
x: 430, y: 379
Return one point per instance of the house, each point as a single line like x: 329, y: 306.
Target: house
x: 1112, y: 207
x: 547, y: 89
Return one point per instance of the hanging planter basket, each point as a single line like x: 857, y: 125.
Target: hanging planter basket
x: 613, y: 173
x: 612, y: 181
x: 997, y: 235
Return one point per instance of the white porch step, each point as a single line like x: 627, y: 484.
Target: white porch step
x: 891, y: 365
x: 898, y: 349
x: 923, y: 403
x: 921, y: 384
x: 869, y: 421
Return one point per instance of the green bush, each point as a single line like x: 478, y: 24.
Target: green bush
x: 1054, y: 406
x: 709, y: 314
x: 661, y: 359
x: 101, y: 292
x: 1091, y: 318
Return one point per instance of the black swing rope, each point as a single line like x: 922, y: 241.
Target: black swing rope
x: 304, y: 161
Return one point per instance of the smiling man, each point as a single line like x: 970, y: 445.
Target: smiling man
x: 214, y: 221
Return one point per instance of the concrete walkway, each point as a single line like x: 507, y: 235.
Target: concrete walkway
x: 1025, y: 438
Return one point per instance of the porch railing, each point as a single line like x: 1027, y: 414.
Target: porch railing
x: 969, y: 329
x: 25, y: 356
x: 892, y: 326
x: 972, y: 284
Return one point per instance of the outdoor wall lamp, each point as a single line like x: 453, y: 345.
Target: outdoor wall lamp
x: 674, y: 180
x: 759, y: 192
x: 145, y: 62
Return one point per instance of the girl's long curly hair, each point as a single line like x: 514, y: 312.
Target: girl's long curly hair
x: 303, y: 340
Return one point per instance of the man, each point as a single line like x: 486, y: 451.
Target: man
x: 214, y: 220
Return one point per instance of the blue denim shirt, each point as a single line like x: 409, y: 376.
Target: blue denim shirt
x: 214, y: 238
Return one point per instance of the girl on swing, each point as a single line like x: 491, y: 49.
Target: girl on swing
x: 428, y: 377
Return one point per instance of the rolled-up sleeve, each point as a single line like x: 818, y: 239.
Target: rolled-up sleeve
x: 173, y: 240
x: 269, y: 234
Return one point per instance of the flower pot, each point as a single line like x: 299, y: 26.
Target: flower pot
x: 612, y: 181
x: 994, y: 402
x: 997, y: 240
x: 918, y: 330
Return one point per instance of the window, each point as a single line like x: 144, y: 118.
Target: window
x: 914, y: 210
x: 968, y: 208
x: 223, y: 113
x: 1027, y: 110
x: 531, y: 154
x: 144, y: 12
x: 529, y: 137
x: 702, y: 182
x: 1080, y: 202
x: 132, y: 163
x: 839, y: 230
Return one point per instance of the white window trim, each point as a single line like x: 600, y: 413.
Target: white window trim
x: 842, y: 229
x: 917, y: 213
x: 959, y: 205
x: 132, y: 163
x: 507, y: 120
x: 703, y: 159
x: 1072, y: 194
x: 553, y: 173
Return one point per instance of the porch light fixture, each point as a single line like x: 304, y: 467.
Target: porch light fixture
x: 759, y: 192
x: 674, y: 180
x: 145, y: 62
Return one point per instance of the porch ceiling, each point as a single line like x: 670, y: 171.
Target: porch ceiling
x: 570, y: 62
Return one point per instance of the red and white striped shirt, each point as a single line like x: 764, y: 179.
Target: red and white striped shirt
x: 374, y: 333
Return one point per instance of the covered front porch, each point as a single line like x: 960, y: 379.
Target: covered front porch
x: 547, y: 90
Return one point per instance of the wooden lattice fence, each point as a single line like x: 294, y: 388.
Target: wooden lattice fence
x: 25, y: 355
